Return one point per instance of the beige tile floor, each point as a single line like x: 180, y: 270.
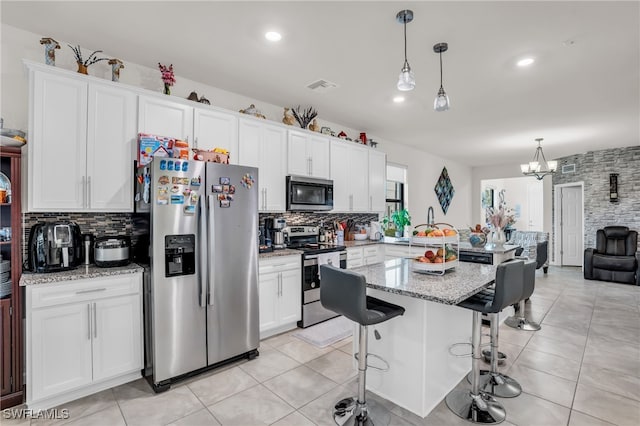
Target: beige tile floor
x: 582, y: 368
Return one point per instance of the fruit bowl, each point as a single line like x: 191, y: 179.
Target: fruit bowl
x: 433, y: 267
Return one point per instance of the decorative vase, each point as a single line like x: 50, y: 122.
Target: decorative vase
x: 496, y: 239
x: 167, y: 89
x: 82, y: 69
x: 399, y: 232
x: 477, y: 239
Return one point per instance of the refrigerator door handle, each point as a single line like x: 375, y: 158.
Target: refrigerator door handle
x: 203, y: 264
x: 210, y: 248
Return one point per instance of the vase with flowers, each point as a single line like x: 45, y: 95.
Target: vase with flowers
x: 168, y: 78
x: 498, y: 219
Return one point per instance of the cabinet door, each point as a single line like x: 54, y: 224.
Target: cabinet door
x: 60, y: 349
x: 318, y: 152
x: 165, y: 118
x: 213, y: 129
x: 359, y: 179
x: 340, y: 173
x: 5, y: 351
x: 111, y: 140
x: 272, y: 175
x: 290, y: 296
x: 298, y: 160
x: 268, y: 296
x: 117, y: 336
x: 57, y: 146
x: 249, y: 137
x: 354, y: 257
x: 377, y: 180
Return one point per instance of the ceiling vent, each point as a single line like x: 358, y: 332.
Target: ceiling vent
x: 321, y: 86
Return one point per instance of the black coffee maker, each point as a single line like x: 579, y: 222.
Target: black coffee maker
x: 54, y: 246
x: 265, y: 236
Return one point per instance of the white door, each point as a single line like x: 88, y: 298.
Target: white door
x: 57, y: 146
x: 60, y: 349
x: 213, y: 129
x: 117, y: 336
x: 571, y: 248
x: 359, y: 179
x: 162, y: 117
x: 318, y: 151
x: 290, y: 296
x: 340, y: 175
x: 268, y: 296
x: 377, y: 180
x: 535, y: 203
x: 111, y: 141
x: 272, y: 176
x: 298, y: 161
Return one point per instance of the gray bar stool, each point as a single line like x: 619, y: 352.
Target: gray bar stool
x: 345, y: 292
x: 476, y: 405
x: 519, y: 321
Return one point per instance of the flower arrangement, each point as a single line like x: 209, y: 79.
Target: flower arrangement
x: 84, y: 64
x: 168, y: 78
x: 304, y: 117
x: 501, y: 217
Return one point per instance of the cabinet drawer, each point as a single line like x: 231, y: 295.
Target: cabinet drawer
x: 370, y: 251
x: 83, y: 290
x: 284, y: 263
x: 354, y: 253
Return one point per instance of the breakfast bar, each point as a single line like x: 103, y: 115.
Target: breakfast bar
x: 418, y: 345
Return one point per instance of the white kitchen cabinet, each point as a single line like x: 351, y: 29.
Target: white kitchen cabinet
x: 215, y: 129
x: 373, y: 253
x: 349, y: 172
x: 393, y: 251
x: 264, y: 146
x: 377, y: 180
x: 82, y: 336
x: 354, y: 257
x: 164, y: 117
x: 280, y: 290
x: 308, y: 155
x: 80, y: 155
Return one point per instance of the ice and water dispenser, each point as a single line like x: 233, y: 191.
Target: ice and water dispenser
x: 179, y: 255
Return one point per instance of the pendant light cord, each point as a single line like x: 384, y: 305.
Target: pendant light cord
x: 441, y: 69
x: 405, y: 39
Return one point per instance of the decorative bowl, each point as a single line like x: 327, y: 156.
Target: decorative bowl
x: 477, y: 239
x: 360, y: 237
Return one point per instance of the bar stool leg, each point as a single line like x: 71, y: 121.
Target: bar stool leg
x: 520, y: 321
x: 496, y: 383
x: 476, y: 406
x: 357, y: 411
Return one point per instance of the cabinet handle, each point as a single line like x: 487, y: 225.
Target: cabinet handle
x: 280, y: 285
x: 370, y: 202
x: 195, y: 142
x: 265, y: 199
x: 89, y: 191
x: 351, y: 202
x: 89, y: 321
x: 84, y: 191
x: 90, y: 291
x: 95, y: 321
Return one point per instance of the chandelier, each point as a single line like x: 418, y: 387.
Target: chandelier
x: 539, y: 166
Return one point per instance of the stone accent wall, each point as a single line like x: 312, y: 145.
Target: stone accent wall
x: 593, y: 168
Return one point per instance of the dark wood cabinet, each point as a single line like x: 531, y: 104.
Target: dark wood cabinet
x: 11, y: 301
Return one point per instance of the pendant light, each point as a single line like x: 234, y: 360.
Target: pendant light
x: 407, y: 80
x: 539, y: 166
x: 441, y: 102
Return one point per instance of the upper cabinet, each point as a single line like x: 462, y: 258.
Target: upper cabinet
x: 349, y: 172
x: 264, y: 146
x: 163, y: 117
x: 377, y: 180
x: 214, y: 129
x: 308, y: 154
x: 80, y: 153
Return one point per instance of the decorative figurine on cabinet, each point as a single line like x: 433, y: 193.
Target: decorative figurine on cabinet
x: 252, y: 110
x: 314, y: 126
x: 288, y: 117
x: 116, y: 66
x: 50, y: 46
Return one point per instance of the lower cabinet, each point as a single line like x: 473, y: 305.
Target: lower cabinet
x: 280, y: 293
x: 365, y: 255
x: 83, y: 336
x: 392, y: 251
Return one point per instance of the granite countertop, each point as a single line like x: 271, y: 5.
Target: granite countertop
x: 279, y: 252
x: 355, y: 243
x: 457, y: 284
x: 80, y: 273
x: 464, y: 246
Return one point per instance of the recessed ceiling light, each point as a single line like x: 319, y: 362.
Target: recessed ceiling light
x: 525, y: 62
x: 398, y: 99
x: 273, y: 36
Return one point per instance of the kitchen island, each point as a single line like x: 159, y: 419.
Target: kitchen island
x: 417, y: 345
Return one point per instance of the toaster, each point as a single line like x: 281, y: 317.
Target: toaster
x: 112, y: 251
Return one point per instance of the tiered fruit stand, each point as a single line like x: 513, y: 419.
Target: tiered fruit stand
x: 443, y: 241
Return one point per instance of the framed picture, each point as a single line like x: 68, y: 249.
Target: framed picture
x: 487, y: 198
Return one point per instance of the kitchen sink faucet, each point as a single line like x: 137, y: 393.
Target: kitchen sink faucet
x: 430, y: 216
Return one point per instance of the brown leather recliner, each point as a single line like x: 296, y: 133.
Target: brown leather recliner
x: 615, y: 257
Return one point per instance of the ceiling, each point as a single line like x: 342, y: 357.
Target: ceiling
x: 582, y: 93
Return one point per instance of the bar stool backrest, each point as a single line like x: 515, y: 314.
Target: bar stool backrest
x: 509, y: 285
x: 529, y: 278
x: 344, y: 292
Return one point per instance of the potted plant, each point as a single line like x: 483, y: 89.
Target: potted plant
x: 400, y: 219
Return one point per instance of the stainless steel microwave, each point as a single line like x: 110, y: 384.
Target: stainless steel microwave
x: 309, y: 194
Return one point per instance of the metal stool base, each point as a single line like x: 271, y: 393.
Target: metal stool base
x: 522, y: 324
x: 486, y: 354
x: 351, y: 415
x: 482, y: 408
x: 500, y: 385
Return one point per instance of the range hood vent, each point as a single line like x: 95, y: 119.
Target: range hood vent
x: 321, y: 86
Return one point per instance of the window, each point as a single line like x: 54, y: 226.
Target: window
x: 396, y: 188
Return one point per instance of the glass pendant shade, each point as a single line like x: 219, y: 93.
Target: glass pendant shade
x: 553, y: 165
x: 441, y: 103
x: 406, y: 80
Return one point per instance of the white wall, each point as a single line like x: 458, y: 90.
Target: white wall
x: 516, y: 194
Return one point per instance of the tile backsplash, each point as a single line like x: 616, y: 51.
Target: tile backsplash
x: 304, y: 218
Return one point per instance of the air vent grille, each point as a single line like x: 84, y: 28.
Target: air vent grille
x: 568, y: 168
x: 321, y: 86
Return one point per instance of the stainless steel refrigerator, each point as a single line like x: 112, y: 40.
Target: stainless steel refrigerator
x: 201, y: 304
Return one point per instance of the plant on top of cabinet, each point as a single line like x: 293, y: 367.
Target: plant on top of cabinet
x: 304, y: 117
x: 50, y: 46
x: 168, y: 78
x: 83, y: 64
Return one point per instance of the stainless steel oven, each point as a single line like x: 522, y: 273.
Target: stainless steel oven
x: 309, y: 194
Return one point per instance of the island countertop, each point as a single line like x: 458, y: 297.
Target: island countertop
x: 457, y: 284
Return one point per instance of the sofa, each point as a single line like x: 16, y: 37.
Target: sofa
x: 533, y: 245
x: 615, y: 257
